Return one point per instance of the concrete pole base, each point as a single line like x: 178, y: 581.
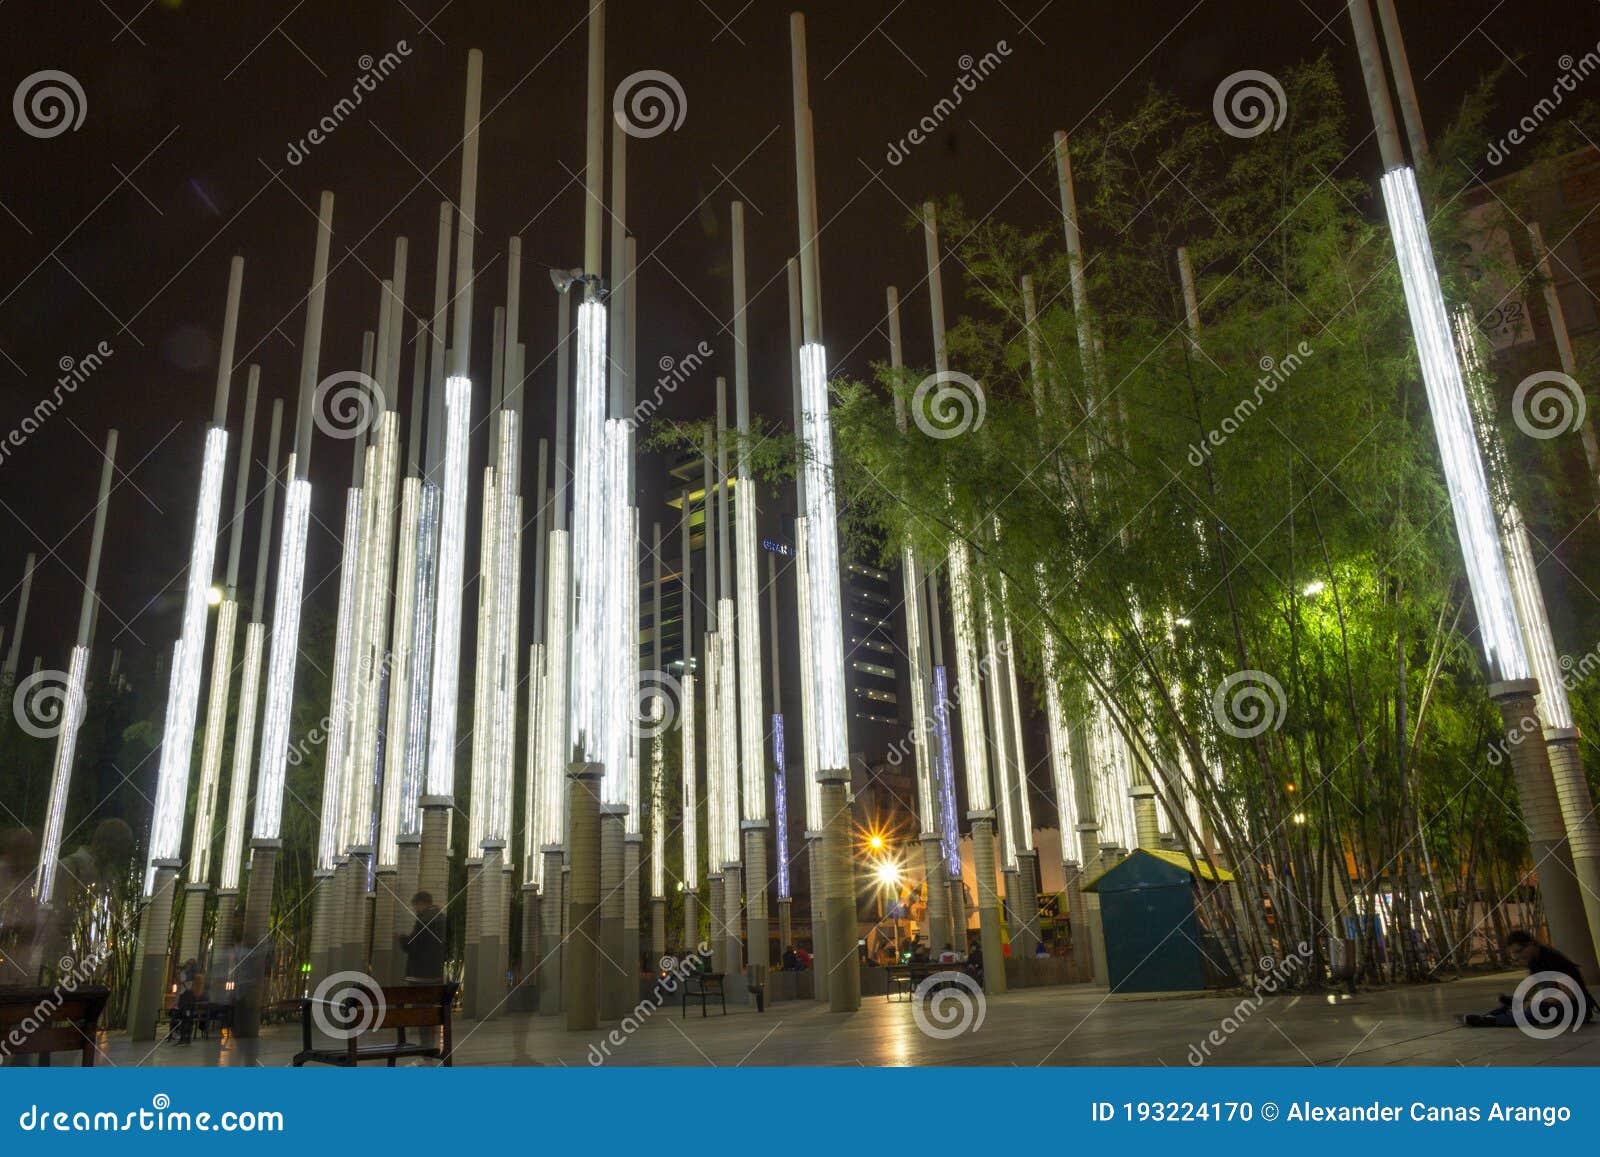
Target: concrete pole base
x: 630, y: 920
x: 658, y: 929
x: 581, y: 968
x: 983, y: 857
x: 470, y: 960
x: 256, y: 948
x: 844, y: 965
x: 490, y: 978
x: 1577, y: 812
x: 385, y: 945
x: 552, y: 943
x: 194, y: 918
x: 758, y: 921
x: 613, y: 954
x: 733, y: 901
x: 148, y: 992
x: 716, y: 919
x: 819, y: 919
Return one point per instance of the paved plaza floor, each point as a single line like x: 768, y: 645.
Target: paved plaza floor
x: 1078, y: 1025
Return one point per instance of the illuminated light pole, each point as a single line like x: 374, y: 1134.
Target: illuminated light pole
x: 432, y: 871
x: 587, y: 781
x: 752, y: 754
x: 728, y: 713
x: 780, y: 773
x: 389, y: 898
x: 532, y: 855
x: 371, y: 666
x: 1512, y: 686
x: 808, y: 704
x: 205, y: 809
x: 711, y: 648
x: 183, y: 692
x: 267, y: 828
x: 658, y: 770
x: 418, y: 691
x: 331, y: 870
x: 633, y: 831
x: 945, y: 768
x: 969, y: 691
x: 1026, y: 901
x: 690, y: 758
x: 917, y: 645
x: 69, y: 713
x: 249, y: 700
x: 833, y: 754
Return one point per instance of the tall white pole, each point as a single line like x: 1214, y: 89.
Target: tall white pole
x: 8, y: 674
x: 267, y: 826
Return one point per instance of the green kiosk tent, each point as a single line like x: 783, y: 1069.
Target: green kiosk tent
x: 1153, y: 935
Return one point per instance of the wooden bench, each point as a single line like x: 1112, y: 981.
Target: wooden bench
x: 400, y: 1007
x: 702, y: 986
x: 41, y: 1021
x: 905, y: 979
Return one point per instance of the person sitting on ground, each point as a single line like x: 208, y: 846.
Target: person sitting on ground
x: 424, y: 946
x: 1559, y: 982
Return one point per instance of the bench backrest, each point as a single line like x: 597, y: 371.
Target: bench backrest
x: 417, y: 1005
x: 41, y: 1021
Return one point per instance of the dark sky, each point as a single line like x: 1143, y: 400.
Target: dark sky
x: 121, y: 231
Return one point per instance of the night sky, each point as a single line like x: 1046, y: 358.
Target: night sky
x: 121, y: 231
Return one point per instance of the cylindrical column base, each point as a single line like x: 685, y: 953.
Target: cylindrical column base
x: 631, y: 849
x: 325, y: 885
x: 194, y: 918
x: 988, y: 897
x: 1547, y: 832
x: 692, y: 938
x: 839, y: 897
x: 937, y: 912
x: 552, y: 943
x: 1577, y: 812
x: 785, y: 925
x: 758, y: 921
x: 613, y: 903
x: 1147, y: 828
x: 385, y: 932
x: 1026, y: 939
x: 433, y: 863
x: 658, y: 929
x: 733, y: 901
x: 147, y: 994
x: 257, y: 953
x: 717, y: 919
x: 225, y: 938
x: 470, y: 964
x: 580, y: 971
x: 490, y: 978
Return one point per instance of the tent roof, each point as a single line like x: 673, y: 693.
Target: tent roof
x: 1197, y: 867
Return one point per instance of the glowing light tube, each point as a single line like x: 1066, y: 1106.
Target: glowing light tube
x: 614, y: 705
x: 715, y: 856
x: 999, y: 741
x: 808, y: 686
x: 911, y: 584
x: 281, y: 658
x: 532, y: 861
x: 421, y: 691
x: 691, y: 826
x: 243, y: 749
x: 974, y: 755
x: 752, y: 755
x: 205, y: 800
x: 728, y: 732
x: 371, y: 665
x: 183, y: 693
x: 588, y: 706
x: 1452, y: 427
x: 554, y: 730
x: 1024, y: 814
x: 447, y: 621
x: 949, y: 833
x: 628, y: 643
x: 1555, y: 711
x: 484, y: 699
x: 658, y: 833
x: 61, y: 774
x: 827, y: 631
x: 780, y: 806
x: 333, y: 780
x: 510, y: 623
x: 400, y: 674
